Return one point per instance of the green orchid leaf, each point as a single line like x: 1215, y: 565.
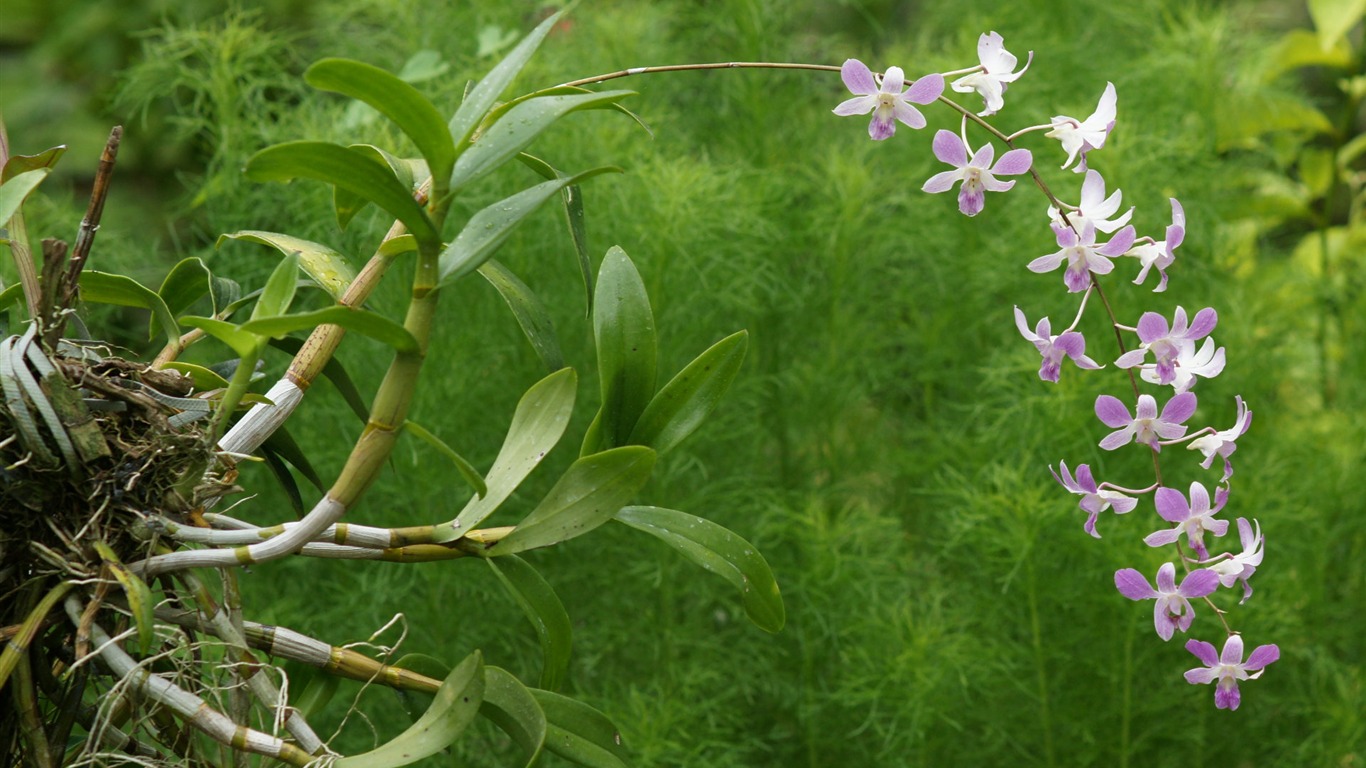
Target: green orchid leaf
x: 512, y: 707
x: 347, y: 170
x: 278, y: 292
x: 204, y: 379
x: 395, y: 246
x: 1335, y: 18
x: 18, y: 164
x: 516, y: 129
x: 280, y: 471
x: 580, y: 733
x: 530, y: 312
x: 316, y: 689
x: 412, y: 112
x: 106, y: 288
x: 324, y: 265
x: 466, y: 469
x: 456, y: 703
x: 544, y: 610
x: 366, y: 323
x: 482, y: 96
x: 140, y: 601
x: 537, y: 424
x: 283, y: 444
x: 488, y: 229
x: 412, y: 172
x: 225, y: 293
x: 682, y: 405
x: 242, y: 342
x: 588, y: 494
x: 624, y: 329
x: 415, y: 703
x: 187, y: 282
x: 720, y: 551
x: 572, y: 199
x: 16, y: 190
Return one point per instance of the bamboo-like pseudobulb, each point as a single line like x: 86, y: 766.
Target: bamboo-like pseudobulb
x: 372, y: 449
x: 193, y: 709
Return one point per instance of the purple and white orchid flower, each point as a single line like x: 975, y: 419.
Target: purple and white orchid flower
x: 887, y: 102
x: 1070, y: 344
x: 1228, y: 667
x: 995, y: 72
x: 1093, y: 499
x: 1082, y: 254
x: 1081, y: 136
x: 977, y: 174
x: 1173, y: 610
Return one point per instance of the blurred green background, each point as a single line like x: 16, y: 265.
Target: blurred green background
x: 887, y: 441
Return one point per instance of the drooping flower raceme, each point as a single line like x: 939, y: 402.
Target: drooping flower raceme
x: 888, y: 103
x: 1222, y: 443
x: 977, y: 174
x: 1093, y: 500
x: 1054, y: 348
x: 1146, y: 426
x: 1094, y: 208
x: 1081, y: 136
x: 995, y: 72
x: 1168, y: 344
x: 1192, y: 519
x: 1160, y: 253
x: 1173, y: 610
x: 1228, y: 667
x: 1240, y: 567
x: 1082, y: 255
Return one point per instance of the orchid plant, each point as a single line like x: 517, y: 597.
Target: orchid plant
x: 141, y: 571
x: 1164, y: 355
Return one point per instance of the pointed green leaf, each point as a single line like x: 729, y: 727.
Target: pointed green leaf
x: 537, y: 424
x: 412, y: 112
x: 348, y: 170
x: 366, y: 323
x: 543, y: 608
x: 487, y: 229
x: 414, y: 703
x: 572, y: 199
x: 278, y: 292
x: 579, y: 733
x: 1335, y: 18
x: 280, y: 470
x: 317, y: 690
x: 683, y: 403
x: 204, y: 379
x: 286, y: 447
x: 624, y: 329
x: 720, y: 551
x: 457, y: 702
x: 511, y: 707
x: 224, y: 292
x: 588, y: 494
x: 186, y: 283
x: 465, y: 468
x: 512, y: 132
x: 14, y: 191
x: 140, y: 601
x: 18, y: 164
x: 328, y: 268
x: 395, y: 246
x: 411, y: 172
x: 242, y: 342
x: 530, y: 312
x: 482, y: 97
x: 105, y: 288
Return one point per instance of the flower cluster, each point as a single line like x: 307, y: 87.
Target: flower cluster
x: 1175, y: 354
